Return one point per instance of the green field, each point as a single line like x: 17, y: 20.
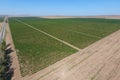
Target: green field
x: 71, y: 30
x: 37, y: 50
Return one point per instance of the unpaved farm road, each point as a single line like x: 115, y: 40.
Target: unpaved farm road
x: 15, y: 63
x: 99, y: 61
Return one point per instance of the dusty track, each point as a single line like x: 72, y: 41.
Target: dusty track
x: 15, y: 63
x: 99, y: 61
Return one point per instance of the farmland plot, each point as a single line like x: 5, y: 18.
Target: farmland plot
x: 78, y: 32
x: 37, y: 50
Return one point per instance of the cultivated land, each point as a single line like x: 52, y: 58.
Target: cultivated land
x: 78, y: 32
x: 37, y: 50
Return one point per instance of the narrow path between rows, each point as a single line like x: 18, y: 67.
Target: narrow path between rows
x: 86, y: 34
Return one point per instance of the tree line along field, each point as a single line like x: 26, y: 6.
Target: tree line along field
x: 37, y: 51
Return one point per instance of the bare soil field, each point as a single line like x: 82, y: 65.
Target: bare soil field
x: 105, y: 17
x: 99, y: 61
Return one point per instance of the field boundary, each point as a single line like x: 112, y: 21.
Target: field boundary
x: 15, y: 61
x: 66, y: 43
x: 52, y: 68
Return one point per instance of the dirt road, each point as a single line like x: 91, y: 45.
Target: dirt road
x: 15, y: 63
x: 99, y: 61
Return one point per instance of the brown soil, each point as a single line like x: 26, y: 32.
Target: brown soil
x: 105, y: 17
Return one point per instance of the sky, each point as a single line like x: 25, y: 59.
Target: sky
x: 60, y: 7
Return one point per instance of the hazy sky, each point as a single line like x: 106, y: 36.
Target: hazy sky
x: 60, y: 7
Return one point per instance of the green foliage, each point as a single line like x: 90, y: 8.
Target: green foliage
x: 6, y: 72
x: 3, y: 46
x: 2, y: 61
